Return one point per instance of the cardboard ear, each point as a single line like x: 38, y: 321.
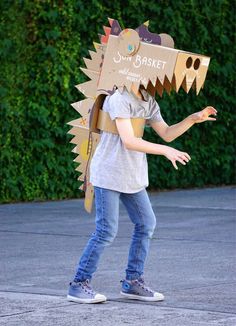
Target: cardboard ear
x: 128, y: 42
x: 167, y: 40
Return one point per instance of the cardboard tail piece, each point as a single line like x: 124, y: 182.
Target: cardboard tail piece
x: 127, y: 59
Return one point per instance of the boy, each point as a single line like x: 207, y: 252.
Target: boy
x: 119, y: 171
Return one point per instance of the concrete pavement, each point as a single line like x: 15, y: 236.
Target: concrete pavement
x: 192, y: 261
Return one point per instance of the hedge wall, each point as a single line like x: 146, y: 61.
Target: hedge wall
x: 42, y: 43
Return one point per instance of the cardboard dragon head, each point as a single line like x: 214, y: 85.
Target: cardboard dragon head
x: 128, y: 58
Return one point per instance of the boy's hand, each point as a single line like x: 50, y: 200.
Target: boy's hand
x: 203, y: 115
x: 175, y: 155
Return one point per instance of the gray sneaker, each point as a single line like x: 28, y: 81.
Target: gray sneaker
x: 138, y: 290
x: 82, y: 292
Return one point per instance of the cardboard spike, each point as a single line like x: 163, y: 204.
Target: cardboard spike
x: 79, y: 130
x: 153, y: 81
x: 99, y: 46
x: 77, y: 159
x: 129, y: 85
x: 194, y: 85
x: 151, y: 89
x: 77, y: 123
x: 89, y: 88
x: 77, y: 169
x: 184, y: 85
x: 81, y: 173
x: 81, y: 169
x: 75, y: 150
x: 167, y: 85
x: 82, y: 164
x: 100, y: 36
x: 135, y: 86
x: 111, y: 20
x: 121, y: 89
x: 92, y: 54
x: 187, y: 84
x: 75, y: 131
x: 115, y: 27
x: 95, y: 62
x: 78, y: 136
x: 81, y: 177
x: 178, y: 80
x: 199, y: 85
x: 159, y: 87
x: 81, y: 187
x: 146, y: 23
x: 168, y: 80
x: 74, y: 141
x: 102, y: 47
x: 107, y: 30
x: 104, y: 39
x: 98, y: 55
x: 83, y: 107
x: 90, y: 64
x: 83, y: 148
x: 144, y: 82
x: 201, y: 75
x: 90, y: 73
x: 77, y: 140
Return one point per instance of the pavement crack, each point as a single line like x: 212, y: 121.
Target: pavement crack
x: 17, y: 313
x: 164, y: 305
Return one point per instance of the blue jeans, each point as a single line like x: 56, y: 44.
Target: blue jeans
x: 107, y: 214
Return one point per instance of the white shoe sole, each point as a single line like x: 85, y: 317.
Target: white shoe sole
x: 95, y: 300
x: 160, y: 297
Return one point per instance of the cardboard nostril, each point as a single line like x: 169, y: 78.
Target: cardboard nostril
x: 196, y: 64
x: 189, y: 62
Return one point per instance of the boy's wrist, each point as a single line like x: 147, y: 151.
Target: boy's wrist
x: 192, y: 119
x: 161, y: 149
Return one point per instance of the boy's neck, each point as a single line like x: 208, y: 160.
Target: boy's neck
x: 136, y: 92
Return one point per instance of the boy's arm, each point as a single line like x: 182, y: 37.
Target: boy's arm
x: 131, y: 142
x: 169, y: 133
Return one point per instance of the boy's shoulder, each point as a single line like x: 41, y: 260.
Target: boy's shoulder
x: 125, y: 95
x: 119, y: 96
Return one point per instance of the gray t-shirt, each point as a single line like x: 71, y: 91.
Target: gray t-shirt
x: 113, y: 166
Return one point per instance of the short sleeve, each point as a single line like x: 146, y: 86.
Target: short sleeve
x: 155, y: 112
x: 118, y: 106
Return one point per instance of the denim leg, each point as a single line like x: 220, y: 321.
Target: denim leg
x: 107, y: 213
x: 141, y: 214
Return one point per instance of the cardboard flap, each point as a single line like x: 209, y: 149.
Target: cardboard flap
x: 95, y: 112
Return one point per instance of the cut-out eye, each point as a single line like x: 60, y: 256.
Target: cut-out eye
x: 189, y: 62
x: 196, y: 64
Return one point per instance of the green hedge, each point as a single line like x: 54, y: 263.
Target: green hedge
x: 42, y: 43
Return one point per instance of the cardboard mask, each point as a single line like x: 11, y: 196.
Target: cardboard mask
x: 127, y: 58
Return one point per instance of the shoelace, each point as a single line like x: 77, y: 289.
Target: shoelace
x: 86, y: 287
x: 141, y: 283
